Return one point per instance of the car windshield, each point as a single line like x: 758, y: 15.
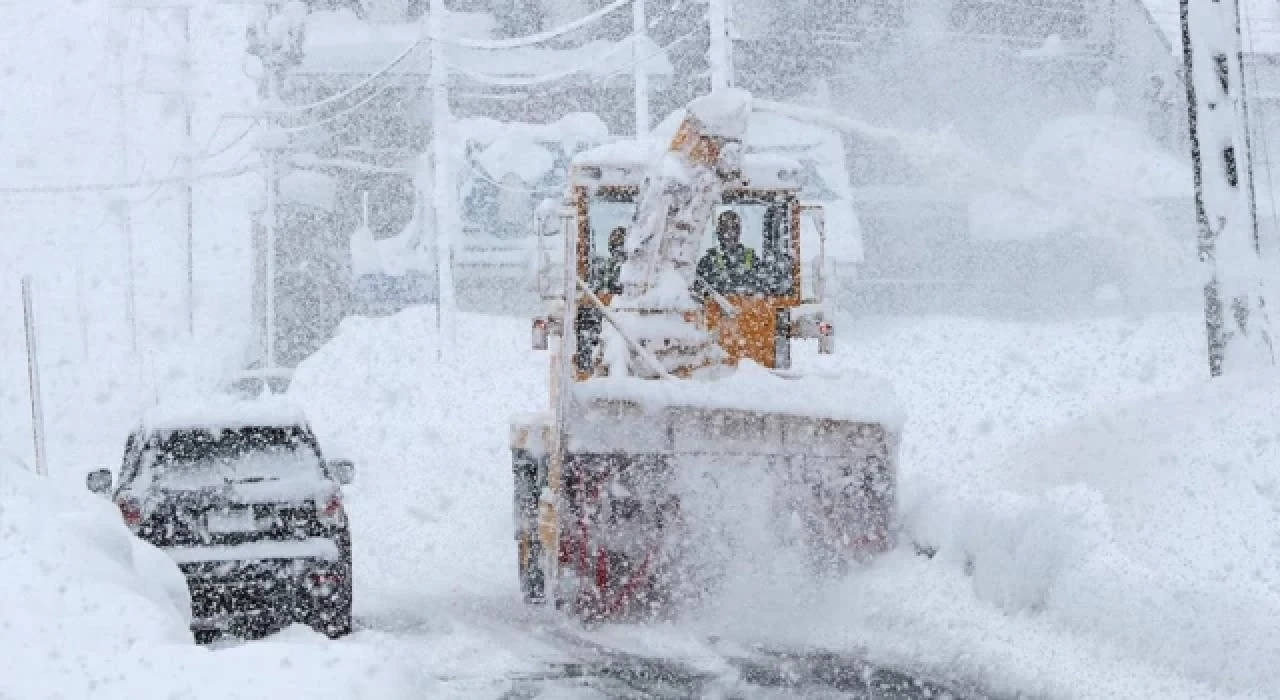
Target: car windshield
x: 197, y: 458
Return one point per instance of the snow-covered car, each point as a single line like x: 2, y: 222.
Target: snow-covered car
x: 239, y: 494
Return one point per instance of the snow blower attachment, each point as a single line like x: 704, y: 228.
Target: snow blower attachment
x: 681, y: 299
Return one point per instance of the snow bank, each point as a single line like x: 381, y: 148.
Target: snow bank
x: 1146, y: 534
x: 1104, y: 517
x: 73, y: 572
x: 88, y: 610
x: 430, y: 506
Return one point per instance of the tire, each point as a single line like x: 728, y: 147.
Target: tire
x: 532, y: 578
x: 338, y: 626
x: 332, y: 616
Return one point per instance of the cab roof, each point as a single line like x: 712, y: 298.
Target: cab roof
x: 624, y: 163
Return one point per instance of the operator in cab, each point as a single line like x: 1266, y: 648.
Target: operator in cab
x: 730, y: 266
x: 608, y: 271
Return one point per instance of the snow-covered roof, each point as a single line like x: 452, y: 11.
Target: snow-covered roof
x: 310, y: 188
x: 1260, y: 20
x: 523, y: 149
x: 623, y: 163
x: 782, y: 153
x: 573, y: 129
x: 223, y: 412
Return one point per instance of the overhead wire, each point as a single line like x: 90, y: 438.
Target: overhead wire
x: 206, y: 155
x: 504, y: 81
x: 540, y: 38
x: 294, y: 128
x: 137, y: 184
x: 483, y: 44
x: 351, y: 90
x: 480, y: 173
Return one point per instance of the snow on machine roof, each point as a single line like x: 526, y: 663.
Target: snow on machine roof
x: 623, y: 163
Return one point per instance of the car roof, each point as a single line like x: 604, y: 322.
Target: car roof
x: 223, y: 412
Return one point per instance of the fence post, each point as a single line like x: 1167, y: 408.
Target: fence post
x: 33, y: 378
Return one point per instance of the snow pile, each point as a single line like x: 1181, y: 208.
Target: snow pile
x: 1104, y: 518
x: 1145, y: 536
x: 430, y: 506
x: 75, y: 576
x: 396, y: 255
x: 89, y: 610
x: 509, y: 154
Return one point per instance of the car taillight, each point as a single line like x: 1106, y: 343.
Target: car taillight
x: 541, y: 334
x: 333, y: 511
x: 130, y: 510
x: 322, y: 583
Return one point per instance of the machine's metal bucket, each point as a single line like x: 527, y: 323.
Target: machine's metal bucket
x: 641, y: 486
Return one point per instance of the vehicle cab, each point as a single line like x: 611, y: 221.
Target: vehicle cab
x: 755, y: 316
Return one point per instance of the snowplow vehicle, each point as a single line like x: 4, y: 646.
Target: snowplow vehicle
x: 678, y: 445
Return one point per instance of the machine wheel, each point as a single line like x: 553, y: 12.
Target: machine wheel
x: 528, y: 474
x: 532, y: 578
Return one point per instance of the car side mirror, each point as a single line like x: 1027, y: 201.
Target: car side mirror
x: 99, y: 481
x: 344, y: 470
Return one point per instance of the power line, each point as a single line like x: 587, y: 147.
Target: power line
x: 502, y: 81
x: 484, y: 44
x: 113, y: 186
x: 349, y: 91
x: 518, y: 42
x: 340, y: 113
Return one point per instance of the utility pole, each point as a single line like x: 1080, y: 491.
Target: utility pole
x: 721, y: 54
x: 180, y: 10
x: 638, y: 34
x: 188, y: 165
x: 278, y: 53
x: 1226, y: 210
x: 120, y: 45
x: 445, y: 193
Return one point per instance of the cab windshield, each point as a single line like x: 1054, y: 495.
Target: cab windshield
x: 755, y: 262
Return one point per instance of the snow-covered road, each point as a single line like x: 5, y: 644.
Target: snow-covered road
x: 533, y: 652
x: 1104, y: 520
x: 1003, y: 607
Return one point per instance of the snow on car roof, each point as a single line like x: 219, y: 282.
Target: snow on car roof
x: 223, y: 412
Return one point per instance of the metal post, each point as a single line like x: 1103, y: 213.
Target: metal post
x: 721, y: 54
x: 638, y: 34
x: 269, y: 222
x: 444, y: 193
x: 126, y: 219
x: 188, y: 147
x: 33, y: 377
x: 1235, y: 311
x: 271, y: 70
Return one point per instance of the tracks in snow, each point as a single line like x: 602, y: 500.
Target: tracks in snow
x: 570, y: 661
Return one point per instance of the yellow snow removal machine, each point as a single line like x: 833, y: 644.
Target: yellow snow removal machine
x: 682, y: 293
